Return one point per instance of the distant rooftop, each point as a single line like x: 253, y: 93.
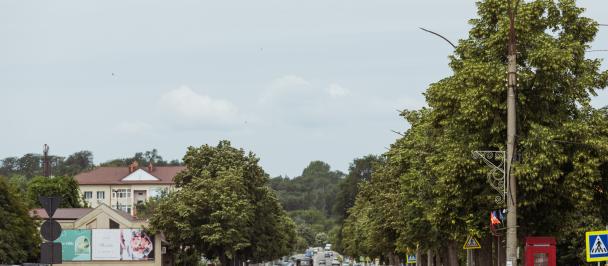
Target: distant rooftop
x: 62, y: 213
x: 74, y: 213
x: 132, y: 174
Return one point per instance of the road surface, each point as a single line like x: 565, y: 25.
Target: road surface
x: 321, y: 256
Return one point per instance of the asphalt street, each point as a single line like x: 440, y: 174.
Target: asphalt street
x: 321, y: 256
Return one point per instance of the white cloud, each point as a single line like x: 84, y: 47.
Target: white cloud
x: 133, y: 127
x: 285, y: 88
x: 193, y: 109
x: 335, y: 90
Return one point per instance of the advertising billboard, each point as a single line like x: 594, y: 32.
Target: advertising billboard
x: 122, y: 244
x: 75, y: 245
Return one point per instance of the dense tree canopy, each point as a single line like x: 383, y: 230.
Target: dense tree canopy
x: 20, y: 239
x: 30, y: 165
x: 360, y: 170
x: 224, y: 209
x: 431, y: 193
x: 60, y: 186
x: 143, y: 158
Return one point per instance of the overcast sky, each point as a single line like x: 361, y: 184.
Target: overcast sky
x: 292, y: 81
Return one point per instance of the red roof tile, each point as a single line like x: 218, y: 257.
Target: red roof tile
x: 114, y: 175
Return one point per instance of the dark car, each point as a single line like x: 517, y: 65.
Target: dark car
x: 327, y: 254
x: 321, y: 262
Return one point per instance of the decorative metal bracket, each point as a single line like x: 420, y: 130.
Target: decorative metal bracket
x: 496, y: 160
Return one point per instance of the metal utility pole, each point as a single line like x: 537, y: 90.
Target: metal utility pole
x: 511, y: 148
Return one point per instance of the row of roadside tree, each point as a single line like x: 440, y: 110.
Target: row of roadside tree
x: 429, y: 193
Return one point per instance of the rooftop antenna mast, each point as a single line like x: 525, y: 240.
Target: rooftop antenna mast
x: 46, y: 171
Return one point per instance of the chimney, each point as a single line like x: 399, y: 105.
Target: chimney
x: 133, y: 166
x: 150, y: 167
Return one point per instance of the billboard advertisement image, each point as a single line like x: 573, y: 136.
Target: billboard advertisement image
x: 136, y: 245
x: 106, y: 244
x: 75, y: 245
x: 122, y: 244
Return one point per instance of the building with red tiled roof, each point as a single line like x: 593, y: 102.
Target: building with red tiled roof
x: 124, y: 187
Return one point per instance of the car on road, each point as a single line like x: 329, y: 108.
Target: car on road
x: 327, y: 254
x: 321, y: 261
x: 335, y: 263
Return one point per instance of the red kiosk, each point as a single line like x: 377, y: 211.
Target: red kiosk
x: 541, y: 251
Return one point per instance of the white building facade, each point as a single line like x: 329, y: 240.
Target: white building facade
x: 122, y: 188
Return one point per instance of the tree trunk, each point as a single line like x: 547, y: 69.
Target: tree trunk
x: 420, y: 261
x: 438, y: 258
x: 484, y: 255
x: 452, y: 259
x: 430, y: 259
x: 390, y: 258
x: 224, y: 260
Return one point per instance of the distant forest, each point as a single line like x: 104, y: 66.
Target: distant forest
x: 31, y: 164
x: 319, y: 199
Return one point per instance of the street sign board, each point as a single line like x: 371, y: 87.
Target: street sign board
x: 50, y: 230
x: 50, y: 204
x: 411, y: 259
x: 50, y: 253
x: 595, y: 243
x: 471, y: 243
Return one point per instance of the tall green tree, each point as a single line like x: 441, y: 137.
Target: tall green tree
x: 30, y: 165
x: 65, y: 187
x: 223, y: 209
x: 9, y: 166
x: 74, y: 164
x: 360, y: 170
x: 19, y: 236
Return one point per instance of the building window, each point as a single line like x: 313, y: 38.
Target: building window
x: 88, y: 194
x: 101, y: 194
x: 157, y: 192
x: 123, y: 207
x: 123, y: 193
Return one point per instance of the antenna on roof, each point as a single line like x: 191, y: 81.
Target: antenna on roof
x: 45, y: 161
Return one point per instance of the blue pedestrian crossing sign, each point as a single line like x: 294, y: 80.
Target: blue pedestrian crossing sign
x: 411, y: 259
x: 596, y: 248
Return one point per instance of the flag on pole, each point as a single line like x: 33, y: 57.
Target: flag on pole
x: 494, y: 220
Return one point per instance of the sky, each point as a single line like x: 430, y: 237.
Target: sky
x: 292, y: 81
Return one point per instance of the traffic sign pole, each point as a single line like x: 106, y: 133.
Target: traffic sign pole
x: 50, y: 252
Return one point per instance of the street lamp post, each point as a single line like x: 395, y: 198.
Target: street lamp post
x: 511, y: 148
